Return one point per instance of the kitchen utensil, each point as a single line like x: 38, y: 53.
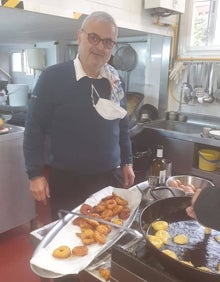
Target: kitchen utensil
x: 200, y: 245
x: 125, y: 58
x: 216, y: 82
x: 208, y: 98
x: 187, y: 93
x: 121, y: 228
x: 173, y: 115
x: 198, y: 182
x: 205, y: 131
x: 147, y: 112
x: 163, y: 192
x: 200, y: 80
x: 182, y: 118
x: 187, y: 90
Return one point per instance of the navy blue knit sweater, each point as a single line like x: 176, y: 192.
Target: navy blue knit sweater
x: 81, y: 140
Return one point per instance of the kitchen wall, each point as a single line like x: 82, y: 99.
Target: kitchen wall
x: 127, y: 13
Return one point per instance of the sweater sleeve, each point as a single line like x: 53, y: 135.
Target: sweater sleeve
x: 35, y: 128
x: 207, y: 207
x: 125, y: 141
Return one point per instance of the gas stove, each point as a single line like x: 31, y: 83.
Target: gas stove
x: 137, y: 263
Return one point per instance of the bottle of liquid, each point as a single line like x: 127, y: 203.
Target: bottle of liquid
x: 158, y: 166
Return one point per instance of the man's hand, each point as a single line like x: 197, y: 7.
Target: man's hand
x: 40, y: 189
x: 128, y: 175
x: 190, y: 210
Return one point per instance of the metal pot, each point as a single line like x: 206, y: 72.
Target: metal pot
x: 173, y: 211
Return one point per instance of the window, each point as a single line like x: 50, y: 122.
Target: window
x: 199, y: 34
x: 16, y: 62
x: 19, y: 63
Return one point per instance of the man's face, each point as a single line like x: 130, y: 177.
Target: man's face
x: 93, y: 57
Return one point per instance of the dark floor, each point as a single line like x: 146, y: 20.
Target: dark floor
x: 16, y: 250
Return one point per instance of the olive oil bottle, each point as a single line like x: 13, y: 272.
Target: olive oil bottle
x: 158, y: 166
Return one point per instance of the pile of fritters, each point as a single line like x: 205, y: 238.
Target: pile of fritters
x: 112, y: 208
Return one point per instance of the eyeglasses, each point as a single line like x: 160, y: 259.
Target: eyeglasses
x: 94, y: 39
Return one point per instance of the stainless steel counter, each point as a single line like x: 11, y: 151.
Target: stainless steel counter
x: 17, y: 205
x: 187, y: 131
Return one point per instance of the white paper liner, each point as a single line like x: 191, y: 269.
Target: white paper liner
x: 73, y: 265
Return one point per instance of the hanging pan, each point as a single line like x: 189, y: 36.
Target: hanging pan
x: 125, y: 58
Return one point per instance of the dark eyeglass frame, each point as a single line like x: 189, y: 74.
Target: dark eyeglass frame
x: 95, y: 39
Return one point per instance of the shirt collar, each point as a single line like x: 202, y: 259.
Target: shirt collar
x: 80, y: 73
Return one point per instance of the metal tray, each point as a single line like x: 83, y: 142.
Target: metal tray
x: 43, y: 271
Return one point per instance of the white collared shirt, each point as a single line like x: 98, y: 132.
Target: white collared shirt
x: 108, y: 72
x: 80, y: 73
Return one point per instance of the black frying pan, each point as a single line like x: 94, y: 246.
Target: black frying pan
x: 202, y: 250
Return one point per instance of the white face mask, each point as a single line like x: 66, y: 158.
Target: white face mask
x: 106, y: 108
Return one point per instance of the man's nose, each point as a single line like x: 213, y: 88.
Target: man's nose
x: 100, y: 45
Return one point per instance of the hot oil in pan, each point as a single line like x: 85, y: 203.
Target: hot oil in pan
x: 202, y: 249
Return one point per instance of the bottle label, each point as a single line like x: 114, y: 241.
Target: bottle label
x: 162, y: 177
x: 159, y: 153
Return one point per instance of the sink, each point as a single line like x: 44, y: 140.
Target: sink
x: 177, y: 126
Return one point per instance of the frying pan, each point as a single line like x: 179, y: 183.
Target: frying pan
x: 202, y: 250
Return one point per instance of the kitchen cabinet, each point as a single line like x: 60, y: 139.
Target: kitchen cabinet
x: 17, y: 205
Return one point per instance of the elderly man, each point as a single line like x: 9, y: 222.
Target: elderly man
x: 80, y: 107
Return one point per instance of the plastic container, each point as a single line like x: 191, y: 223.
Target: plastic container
x: 208, y: 159
x: 17, y: 94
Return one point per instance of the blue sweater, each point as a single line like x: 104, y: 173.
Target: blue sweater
x: 80, y: 139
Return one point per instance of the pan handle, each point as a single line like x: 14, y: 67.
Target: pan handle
x: 160, y: 188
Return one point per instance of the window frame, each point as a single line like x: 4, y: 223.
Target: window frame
x: 185, y: 50
x: 25, y: 69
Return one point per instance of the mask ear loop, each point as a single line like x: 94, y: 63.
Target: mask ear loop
x: 93, y: 90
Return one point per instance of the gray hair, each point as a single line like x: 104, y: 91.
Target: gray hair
x: 102, y: 17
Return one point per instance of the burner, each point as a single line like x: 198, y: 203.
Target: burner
x: 139, y: 266
x: 137, y: 260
